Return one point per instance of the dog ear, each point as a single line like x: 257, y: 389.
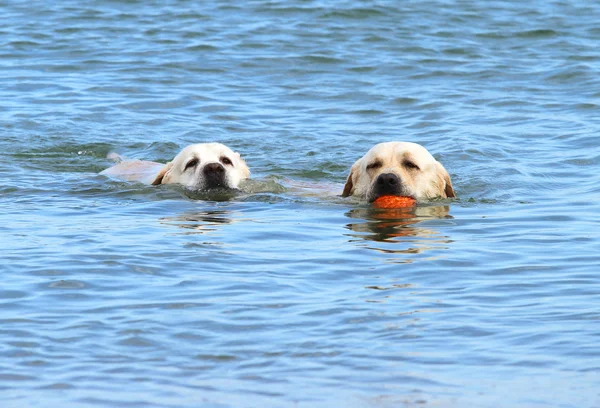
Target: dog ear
x: 445, y: 181
x: 349, y: 187
x: 163, y: 175
x: 449, y: 190
x: 245, y: 171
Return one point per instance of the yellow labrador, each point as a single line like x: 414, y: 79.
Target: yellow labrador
x: 401, y: 169
x: 199, y: 166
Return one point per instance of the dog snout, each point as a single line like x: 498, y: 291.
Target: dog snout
x: 387, y: 183
x: 388, y: 180
x: 214, y: 175
x: 214, y: 169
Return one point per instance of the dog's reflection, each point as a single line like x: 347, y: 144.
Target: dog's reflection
x: 406, y: 225
x: 200, y: 222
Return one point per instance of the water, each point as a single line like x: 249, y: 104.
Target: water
x: 122, y: 294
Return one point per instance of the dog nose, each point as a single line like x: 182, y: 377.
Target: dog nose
x: 214, y: 169
x: 389, y: 180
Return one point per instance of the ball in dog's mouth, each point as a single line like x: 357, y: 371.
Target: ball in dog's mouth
x: 389, y: 201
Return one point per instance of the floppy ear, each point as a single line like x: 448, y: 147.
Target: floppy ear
x: 245, y: 171
x: 163, y: 175
x: 445, y: 180
x: 349, y: 187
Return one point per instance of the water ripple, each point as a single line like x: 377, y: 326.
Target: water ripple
x: 270, y: 297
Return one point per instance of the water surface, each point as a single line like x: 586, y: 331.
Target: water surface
x: 120, y: 294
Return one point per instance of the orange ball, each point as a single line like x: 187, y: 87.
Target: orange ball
x: 394, y: 202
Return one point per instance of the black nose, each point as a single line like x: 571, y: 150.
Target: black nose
x: 214, y: 169
x: 388, y: 180
x: 387, y: 184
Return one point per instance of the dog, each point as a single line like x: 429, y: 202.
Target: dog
x: 200, y: 166
x: 398, y: 169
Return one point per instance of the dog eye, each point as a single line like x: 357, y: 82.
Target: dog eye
x: 225, y: 160
x: 192, y: 163
x: 410, y: 165
x: 374, y: 165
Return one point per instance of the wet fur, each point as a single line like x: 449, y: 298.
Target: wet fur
x: 179, y: 171
x: 420, y: 175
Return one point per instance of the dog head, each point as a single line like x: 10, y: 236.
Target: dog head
x: 400, y: 169
x: 204, y: 166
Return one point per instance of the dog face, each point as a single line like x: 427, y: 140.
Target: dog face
x: 400, y: 169
x: 204, y: 166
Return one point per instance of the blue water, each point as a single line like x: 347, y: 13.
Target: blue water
x: 120, y: 294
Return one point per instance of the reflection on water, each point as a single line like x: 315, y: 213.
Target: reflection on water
x: 201, y: 222
x: 406, y: 226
